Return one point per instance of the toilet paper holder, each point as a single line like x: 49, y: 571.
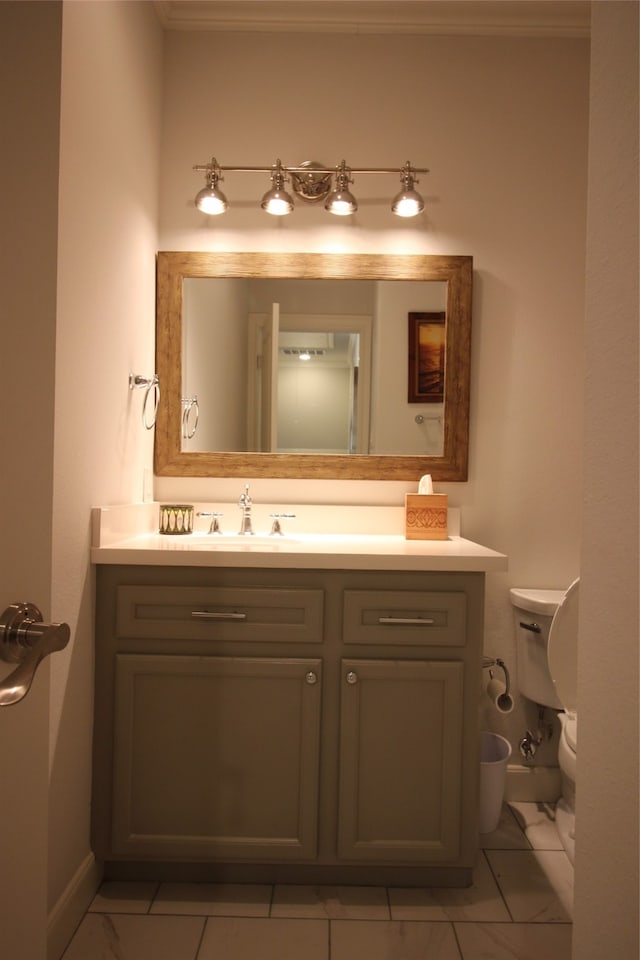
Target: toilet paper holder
x: 489, y: 662
x: 501, y: 696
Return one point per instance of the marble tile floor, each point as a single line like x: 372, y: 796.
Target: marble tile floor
x: 518, y: 908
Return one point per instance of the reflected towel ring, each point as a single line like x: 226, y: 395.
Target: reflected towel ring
x: 148, y: 384
x: 420, y: 418
x: 190, y: 417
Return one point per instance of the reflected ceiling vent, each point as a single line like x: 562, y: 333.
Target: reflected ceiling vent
x: 314, y: 343
x: 302, y: 351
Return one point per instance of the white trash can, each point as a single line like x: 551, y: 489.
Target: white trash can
x: 494, y: 757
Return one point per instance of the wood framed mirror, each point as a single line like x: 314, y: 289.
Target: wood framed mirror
x: 453, y: 273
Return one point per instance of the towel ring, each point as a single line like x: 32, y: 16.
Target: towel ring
x: 190, y: 417
x: 149, y: 385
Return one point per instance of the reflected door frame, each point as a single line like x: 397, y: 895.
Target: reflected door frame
x: 262, y: 369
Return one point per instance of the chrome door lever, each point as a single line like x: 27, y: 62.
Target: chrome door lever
x: 26, y: 640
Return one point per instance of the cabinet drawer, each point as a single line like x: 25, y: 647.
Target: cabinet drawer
x: 250, y: 614
x: 408, y: 617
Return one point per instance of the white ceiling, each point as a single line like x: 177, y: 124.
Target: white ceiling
x: 436, y: 17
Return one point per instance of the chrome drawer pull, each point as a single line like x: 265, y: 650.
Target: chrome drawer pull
x: 206, y: 615
x: 412, y: 621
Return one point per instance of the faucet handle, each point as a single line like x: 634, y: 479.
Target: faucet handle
x: 245, y: 499
x: 215, y: 526
x: 276, y: 529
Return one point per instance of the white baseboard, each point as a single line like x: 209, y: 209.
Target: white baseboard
x: 534, y: 784
x: 72, y: 906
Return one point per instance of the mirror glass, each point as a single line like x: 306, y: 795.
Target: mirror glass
x: 295, y: 371
x: 313, y: 365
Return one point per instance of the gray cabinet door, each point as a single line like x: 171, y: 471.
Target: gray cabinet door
x: 216, y: 757
x: 400, y: 760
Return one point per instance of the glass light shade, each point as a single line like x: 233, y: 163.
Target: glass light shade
x: 408, y: 203
x: 211, y: 200
x: 277, y: 202
x: 342, y: 203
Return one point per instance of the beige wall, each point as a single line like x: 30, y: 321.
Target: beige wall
x: 502, y: 125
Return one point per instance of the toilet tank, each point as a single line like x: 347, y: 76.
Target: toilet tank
x: 533, y: 612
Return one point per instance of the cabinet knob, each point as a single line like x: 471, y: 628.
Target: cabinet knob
x: 311, y: 677
x: 352, y: 677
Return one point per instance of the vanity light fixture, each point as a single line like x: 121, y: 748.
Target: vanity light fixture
x: 342, y: 202
x: 277, y: 201
x: 312, y: 182
x: 408, y: 203
x: 210, y: 199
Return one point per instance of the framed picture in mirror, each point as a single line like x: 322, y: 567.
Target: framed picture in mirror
x: 427, y: 350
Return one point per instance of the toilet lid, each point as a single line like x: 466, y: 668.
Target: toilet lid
x: 562, y: 648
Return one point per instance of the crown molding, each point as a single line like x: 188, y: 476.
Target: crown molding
x: 527, y: 18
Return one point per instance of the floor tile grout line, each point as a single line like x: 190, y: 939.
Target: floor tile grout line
x: 227, y: 916
x: 519, y: 825
x: 497, y: 883
x: 457, y: 939
x: 154, y: 896
x: 388, y: 893
x: 236, y: 916
x: 201, y: 940
x: 331, y: 920
x: 272, y: 897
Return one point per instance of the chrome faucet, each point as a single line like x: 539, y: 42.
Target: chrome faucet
x: 244, y: 503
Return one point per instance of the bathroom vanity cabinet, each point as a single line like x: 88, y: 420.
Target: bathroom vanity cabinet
x: 311, y: 725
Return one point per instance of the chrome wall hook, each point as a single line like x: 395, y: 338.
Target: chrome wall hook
x: 149, y: 385
x: 26, y: 640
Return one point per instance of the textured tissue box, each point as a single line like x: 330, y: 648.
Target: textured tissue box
x: 426, y: 516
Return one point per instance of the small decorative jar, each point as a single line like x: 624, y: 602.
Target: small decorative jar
x: 176, y: 518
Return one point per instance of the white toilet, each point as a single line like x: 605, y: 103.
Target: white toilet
x: 546, y: 623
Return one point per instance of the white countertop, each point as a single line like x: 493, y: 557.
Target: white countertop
x: 347, y: 550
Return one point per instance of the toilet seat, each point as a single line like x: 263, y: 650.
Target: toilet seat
x: 570, y: 727
x: 562, y: 655
x: 567, y: 754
